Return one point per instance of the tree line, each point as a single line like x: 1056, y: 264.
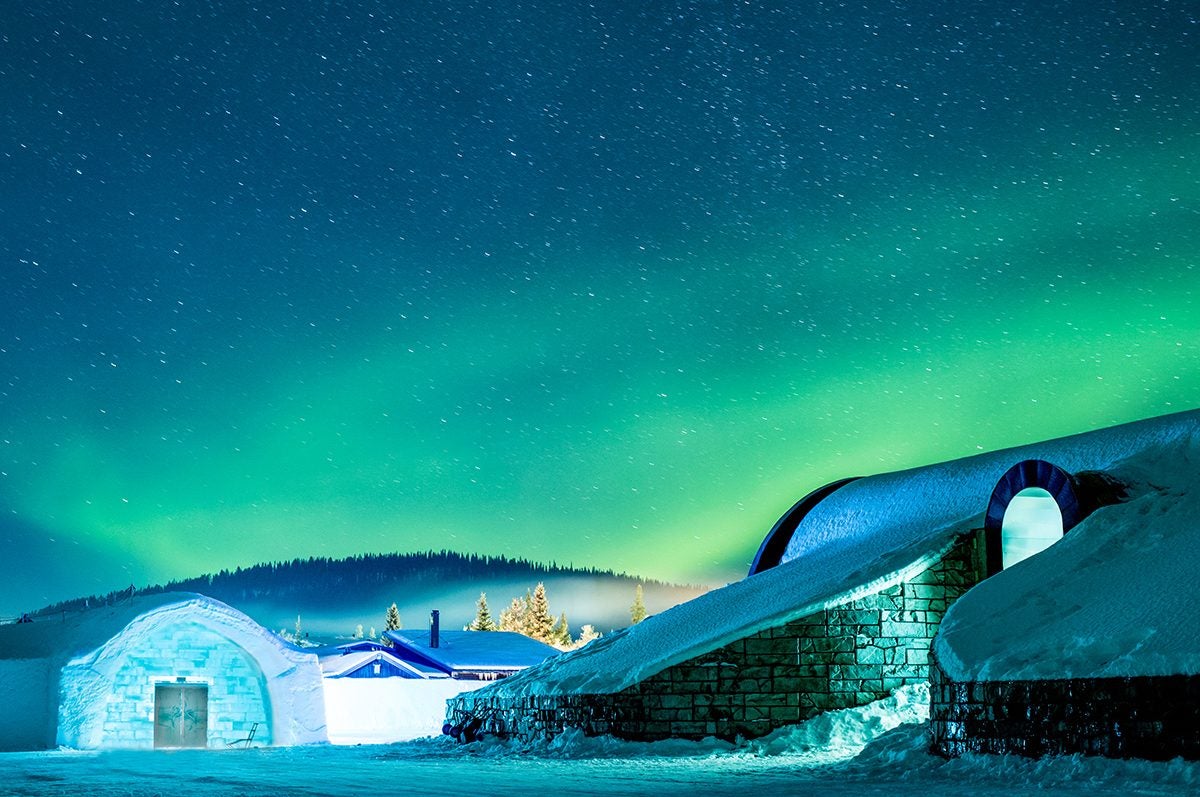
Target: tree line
x: 532, y: 617
x: 347, y: 576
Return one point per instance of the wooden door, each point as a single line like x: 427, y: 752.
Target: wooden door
x: 181, y: 715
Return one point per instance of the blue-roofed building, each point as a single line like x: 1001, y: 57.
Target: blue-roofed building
x: 469, y: 655
x: 381, y: 663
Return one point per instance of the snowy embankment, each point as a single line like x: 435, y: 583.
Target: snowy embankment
x: 383, y: 710
x: 879, y: 748
x: 865, y: 537
x: 1113, y: 598
x: 831, y: 737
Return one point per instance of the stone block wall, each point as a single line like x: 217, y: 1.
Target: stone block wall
x: 840, y: 657
x: 1153, y: 717
x: 237, y: 693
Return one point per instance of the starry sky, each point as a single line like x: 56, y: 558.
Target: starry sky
x: 611, y: 284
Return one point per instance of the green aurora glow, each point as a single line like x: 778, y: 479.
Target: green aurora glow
x: 648, y: 391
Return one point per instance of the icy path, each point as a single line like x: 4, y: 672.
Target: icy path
x: 894, y: 764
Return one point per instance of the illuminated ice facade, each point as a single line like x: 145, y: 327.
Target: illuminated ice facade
x: 176, y: 670
x: 191, y: 674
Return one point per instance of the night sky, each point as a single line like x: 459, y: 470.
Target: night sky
x: 612, y: 285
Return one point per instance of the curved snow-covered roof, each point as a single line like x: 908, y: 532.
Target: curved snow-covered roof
x: 864, y: 537
x: 889, y: 510
x: 1114, y: 598
x: 78, y: 632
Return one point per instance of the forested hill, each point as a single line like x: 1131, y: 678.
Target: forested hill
x: 358, y: 574
x: 342, y: 584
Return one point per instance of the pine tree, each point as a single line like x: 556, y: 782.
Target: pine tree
x: 637, y: 612
x: 560, y: 634
x: 483, y: 616
x: 358, y: 632
x: 513, y: 618
x: 392, y: 620
x: 541, y: 622
x: 586, y: 634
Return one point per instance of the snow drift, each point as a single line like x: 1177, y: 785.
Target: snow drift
x: 386, y: 710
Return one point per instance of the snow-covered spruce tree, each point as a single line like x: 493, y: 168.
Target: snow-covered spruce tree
x: 358, y: 632
x: 392, y: 621
x: 541, y: 622
x: 514, y: 617
x: 587, y: 633
x: 483, y: 616
x: 637, y: 612
x: 560, y: 634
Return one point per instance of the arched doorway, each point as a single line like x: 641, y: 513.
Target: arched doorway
x: 1032, y: 523
x: 1047, y: 506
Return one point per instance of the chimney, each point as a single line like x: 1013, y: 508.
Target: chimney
x: 433, y: 628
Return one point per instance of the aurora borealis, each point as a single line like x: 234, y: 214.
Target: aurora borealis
x: 610, y: 284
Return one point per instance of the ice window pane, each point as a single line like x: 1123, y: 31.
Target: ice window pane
x: 1032, y: 523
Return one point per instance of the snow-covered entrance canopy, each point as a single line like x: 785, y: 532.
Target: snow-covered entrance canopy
x: 174, y: 669
x: 866, y: 536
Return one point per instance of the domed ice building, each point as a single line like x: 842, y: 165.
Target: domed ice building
x: 166, y: 670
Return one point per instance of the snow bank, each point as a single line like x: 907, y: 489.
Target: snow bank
x: 833, y: 736
x: 385, y: 710
x: 901, y: 760
x: 893, y: 765
x: 27, y: 697
x: 843, y: 734
x: 1114, y: 598
x: 869, y: 535
x: 896, y: 763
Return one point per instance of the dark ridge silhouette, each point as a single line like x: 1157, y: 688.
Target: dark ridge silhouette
x: 343, y: 582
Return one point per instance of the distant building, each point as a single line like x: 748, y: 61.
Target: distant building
x: 367, y: 659
x: 469, y: 655
x: 376, y: 694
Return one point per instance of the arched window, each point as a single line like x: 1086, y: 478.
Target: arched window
x: 1032, y: 523
x: 1035, y: 482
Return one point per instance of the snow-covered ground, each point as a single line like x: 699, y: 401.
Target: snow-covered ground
x: 877, y: 749
x: 380, y: 710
